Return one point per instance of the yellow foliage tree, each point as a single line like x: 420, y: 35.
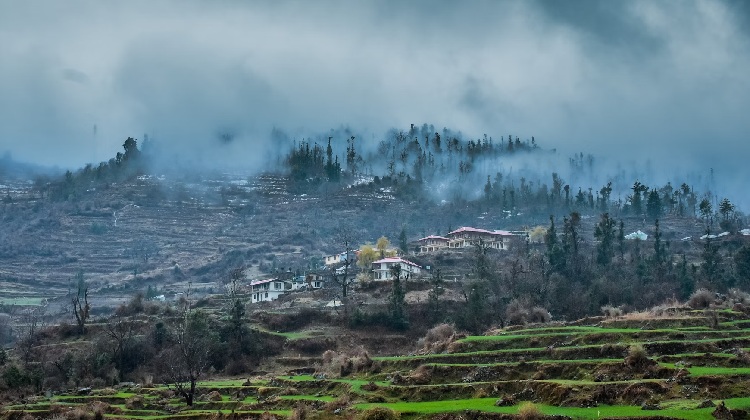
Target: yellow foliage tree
x: 367, y: 254
x: 382, y: 246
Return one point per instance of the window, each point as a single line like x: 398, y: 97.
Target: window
x: 316, y: 284
x: 266, y: 294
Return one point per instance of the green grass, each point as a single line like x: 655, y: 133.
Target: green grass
x: 707, y: 371
x: 324, y: 398
x: 682, y: 409
x: 22, y: 301
x: 356, y: 384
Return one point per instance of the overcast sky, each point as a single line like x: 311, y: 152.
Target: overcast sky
x: 667, y: 80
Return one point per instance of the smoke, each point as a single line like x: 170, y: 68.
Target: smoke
x: 659, y: 82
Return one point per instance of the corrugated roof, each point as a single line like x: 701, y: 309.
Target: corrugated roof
x: 434, y: 237
x: 475, y: 230
x: 395, y: 260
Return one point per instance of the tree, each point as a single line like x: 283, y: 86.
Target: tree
x: 555, y: 254
x: 605, y: 234
x: 726, y: 208
x: 403, y: 244
x: 343, y: 273
x: 742, y: 265
x: 239, y: 336
x: 660, y: 254
x: 706, y: 210
x: 654, y: 207
x: 189, y: 356
x: 367, y: 255
x: 397, y: 300
x: 131, y: 149
x: 382, y: 246
x: 121, y: 331
x: 636, y: 200
x: 433, y: 296
x: 711, y: 259
x: 81, y: 307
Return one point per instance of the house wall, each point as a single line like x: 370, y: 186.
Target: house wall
x: 384, y: 271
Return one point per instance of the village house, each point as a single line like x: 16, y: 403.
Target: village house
x: 339, y: 258
x: 468, y: 236
x: 314, y: 280
x: 433, y: 243
x: 269, y: 289
x: 382, y: 268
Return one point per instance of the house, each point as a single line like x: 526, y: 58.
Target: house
x: 432, y: 243
x: 382, y: 268
x: 314, y: 280
x: 329, y: 260
x: 467, y: 236
x: 268, y: 289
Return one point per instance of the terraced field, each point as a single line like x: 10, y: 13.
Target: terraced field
x: 670, y: 367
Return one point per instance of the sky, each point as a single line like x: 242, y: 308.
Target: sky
x: 665, y: 81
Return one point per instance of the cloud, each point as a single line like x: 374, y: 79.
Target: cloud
x: 665, y: 81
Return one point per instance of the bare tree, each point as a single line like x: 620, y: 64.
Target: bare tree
x: 28, y: 326
x: 188, y: 359
x: 81, y: 307
x: 121, y: 331
x: 343, y: 273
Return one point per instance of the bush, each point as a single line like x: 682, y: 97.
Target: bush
x: 539, y: 315
x: 637, y: 356
x: 529, y: 411
x: 701, y: 299
x: 519, y: 312
x: 437, y: 338
x: 378, y: 413
x: 611, y: 311
x: 344, y: 364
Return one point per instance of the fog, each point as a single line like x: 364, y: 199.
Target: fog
x: 640, y: 81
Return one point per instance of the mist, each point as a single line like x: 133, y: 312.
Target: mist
x: 664, y: 85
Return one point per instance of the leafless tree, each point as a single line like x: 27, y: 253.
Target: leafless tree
x: 121, y: 331
x: 81, y: 306
x: 188, y: 358
x: 28, y: 326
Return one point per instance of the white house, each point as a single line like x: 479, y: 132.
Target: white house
x: 339, y: 258
x: 268, y: 290
x: 382, y: 268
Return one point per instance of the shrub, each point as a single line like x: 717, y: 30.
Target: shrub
x: 701, y: 299
x: 437, y: 338
x: 300, y: 412
x: 738, y: 296
x: 611, y: 311
x: 344, y: 364
x: 539, y: 315
x: 637, y: 356
x: 529, y: 411
x: 136, y: 402
x: 378, y: 413
x: 519, y: 311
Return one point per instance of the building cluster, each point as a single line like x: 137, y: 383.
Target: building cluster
x: 382, y: 269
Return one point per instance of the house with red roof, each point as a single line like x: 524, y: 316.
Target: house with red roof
x: 467, y: 236
x: 433, y: 243
x: 382, y: 268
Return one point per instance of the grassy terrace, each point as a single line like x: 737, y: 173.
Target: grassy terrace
x: 584, y: 374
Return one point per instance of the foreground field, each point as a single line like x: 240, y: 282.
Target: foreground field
x: 679, y: 366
